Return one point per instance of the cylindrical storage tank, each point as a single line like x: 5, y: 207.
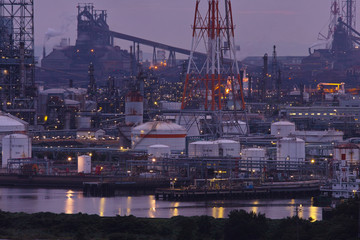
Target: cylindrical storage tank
x: 290, y: 153
x: 253, y: 158
x: 189, y: 123
x: 84, y: 164
x: 228, y: 148
x: 282, y: 129
x: 15, y: 146
x: 83, y: 122
x: 10, y: 124
x: 203, y: 149
x: 230, y: 127
x: 158, y: 132
x: 253, y: 154
x: 134, y: 108
x: 159, y: 151
x: 349, y: 152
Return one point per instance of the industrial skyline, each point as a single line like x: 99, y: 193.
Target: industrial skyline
x: 149, y: 96
x: 293, y: 26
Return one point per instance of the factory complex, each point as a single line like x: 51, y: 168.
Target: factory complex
x: 188, y: 120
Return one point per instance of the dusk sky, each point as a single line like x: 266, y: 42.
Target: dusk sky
x: 292, y: 25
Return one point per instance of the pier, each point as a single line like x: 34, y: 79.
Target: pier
x: 269, y: 190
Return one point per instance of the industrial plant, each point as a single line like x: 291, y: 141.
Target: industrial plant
x: 200, y: 126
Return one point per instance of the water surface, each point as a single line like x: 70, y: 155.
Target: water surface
x: 69, y: 201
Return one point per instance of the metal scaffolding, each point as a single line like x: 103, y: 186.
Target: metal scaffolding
x: 17, y: 87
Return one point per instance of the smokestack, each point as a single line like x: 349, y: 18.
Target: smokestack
x: 242, y: 80
x: 22, y: 69
x: 249, y: 86
x: 44, y: 52
x: 265, y: 75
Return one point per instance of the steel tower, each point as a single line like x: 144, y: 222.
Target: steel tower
x: 349, y: 13
x: 216, y: 80
x: 214, y: 83
x: 335, y: 13
x: 17, y: 88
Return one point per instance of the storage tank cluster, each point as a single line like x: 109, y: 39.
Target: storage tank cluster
x: 218, y: 148
x: 15, y: 146
x: 158, y: 132
x: 290, y: 151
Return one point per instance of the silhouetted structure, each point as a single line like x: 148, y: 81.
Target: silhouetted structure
x: 17, y: 62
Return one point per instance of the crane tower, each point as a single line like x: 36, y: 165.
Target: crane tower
x: 215, y: 82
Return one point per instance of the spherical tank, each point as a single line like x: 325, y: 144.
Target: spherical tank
x: 158, y: 132
x: 282, y: 129
x: 15, y: 146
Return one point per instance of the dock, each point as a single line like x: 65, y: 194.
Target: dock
x: 272, y: 190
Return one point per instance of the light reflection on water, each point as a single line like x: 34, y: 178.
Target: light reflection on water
x: 68, y: 201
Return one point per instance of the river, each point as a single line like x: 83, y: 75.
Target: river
x: 72, y: 201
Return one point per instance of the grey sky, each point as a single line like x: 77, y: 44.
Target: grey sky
x: 293, y: 25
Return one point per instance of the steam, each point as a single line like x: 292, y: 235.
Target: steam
x: 52, y: 33
x: 323, y: 43
x: 67, y: 21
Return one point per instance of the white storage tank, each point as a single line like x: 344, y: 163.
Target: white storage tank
x: 203, y: 149
x: 230, y: 127
x: 253, y: 158
x: 159, y: 151
x: 290, y: 151
x: 228, y: 148
x: 15, y: 146
x: 327, y: 136
x: 10, y: 124
x: 282, y: 129
x: 253, y: 154
x: 190, y: 123
x: 134, y: 108
x: 158, y: 132
x: 84, y: 164
x: 349, y: 152
x: 83, y: 122
x: 164, y: 105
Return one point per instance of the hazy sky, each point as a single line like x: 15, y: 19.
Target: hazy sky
x: 293, y: 25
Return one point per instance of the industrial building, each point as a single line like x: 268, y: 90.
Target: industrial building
x: 94, y: 44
